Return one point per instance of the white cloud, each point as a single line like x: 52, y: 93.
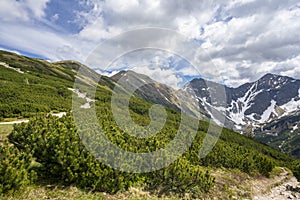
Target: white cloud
x: 120, y: 6
x: 12, y: 10
x: 165, y: 76
x: 55, y: 17
x: 98, y: 30
x: 22, y: 10
x: 48, y: 44
x: 37, y: 7
x: 189, y: 26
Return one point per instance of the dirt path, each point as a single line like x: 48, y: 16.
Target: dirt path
x: 276, y: 188
x: 15, y: 122
x: 60, y: 114
x: 83, y: 96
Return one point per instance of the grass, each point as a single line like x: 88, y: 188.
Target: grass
x: 37, y: 192
x: 45, y: 192
x: 275, y: 172
x: 5, y: 129
x: 230, y: 184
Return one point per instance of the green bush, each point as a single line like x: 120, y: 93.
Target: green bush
x: 55, y: 144
x: 15, y: 169
x: 181, y: 177
x: 232, y: 156
x: 296, y: 169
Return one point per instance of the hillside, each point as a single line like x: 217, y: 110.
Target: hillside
x: 49, y: 153
x: 30, y: 86
x: 158, y: 93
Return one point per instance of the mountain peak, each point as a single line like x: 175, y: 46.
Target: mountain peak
x: 273, y: 81
x: 269, y: 75
x: 133, y: 76
x: 274, y: 76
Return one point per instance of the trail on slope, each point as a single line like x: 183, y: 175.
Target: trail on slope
x: 276, y: 188
x: 15, y: 122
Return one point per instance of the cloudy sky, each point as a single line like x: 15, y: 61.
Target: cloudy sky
x: 244, y: 39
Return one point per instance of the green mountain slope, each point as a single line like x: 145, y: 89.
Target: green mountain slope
x: 29, y: 86
x: 40, y: 87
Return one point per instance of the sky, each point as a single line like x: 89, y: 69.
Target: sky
x: 238, y: 40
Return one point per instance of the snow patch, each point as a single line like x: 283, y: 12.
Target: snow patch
x: 83, y: 96
x: 15, y: 122
x: 294, y: 128
x: 9, y: 67
x: 60, y: 114
x: 292, y: 105
x: 238, y: 127
x: 208, y: 108
x: 242, y: 104
x: 267, y: 113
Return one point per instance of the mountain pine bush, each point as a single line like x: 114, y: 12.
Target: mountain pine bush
x: 55, y: 143
x: 296, y: 169
x: 181, y: 177
x: 15, y: 169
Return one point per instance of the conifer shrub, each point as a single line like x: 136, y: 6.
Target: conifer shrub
x: 181, y: 177
x: 296, y: 169
x: 55, y: 144
x: 15, y: 169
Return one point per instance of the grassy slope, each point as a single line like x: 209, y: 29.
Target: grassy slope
x: 5, y: 129
x: 42, y: 87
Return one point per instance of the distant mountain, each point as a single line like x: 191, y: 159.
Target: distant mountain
x: 267, y: 107
x: 159, y: 93
x: 151, y: 90
x: 256, y: 103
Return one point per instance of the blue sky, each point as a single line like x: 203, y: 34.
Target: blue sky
x: 244, y: 38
